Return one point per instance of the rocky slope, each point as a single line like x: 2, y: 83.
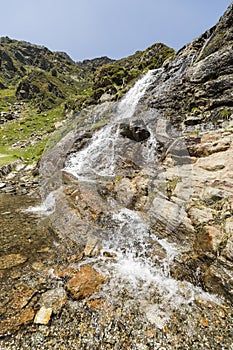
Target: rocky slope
x: 185, y: 192
x: 144, y: 229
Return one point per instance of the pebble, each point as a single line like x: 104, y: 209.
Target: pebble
x: 43, y: 315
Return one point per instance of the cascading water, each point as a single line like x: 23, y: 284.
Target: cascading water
x: 128, y: 104
x: 46, y: 208
x: 104, y: 216
x: 136, y: 265
x: 99, y: 157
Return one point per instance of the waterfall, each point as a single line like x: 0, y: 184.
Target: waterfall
x: 128, y: 104
x: 131, y: 254
x: 98, y: 157
x: 46, y: 208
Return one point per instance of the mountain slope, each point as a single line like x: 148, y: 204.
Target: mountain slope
x: 39, y: 88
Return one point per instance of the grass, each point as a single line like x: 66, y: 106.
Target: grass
x: 7, y: 97
x: 26, y: 137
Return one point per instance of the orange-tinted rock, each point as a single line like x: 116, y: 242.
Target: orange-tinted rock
x: 13, y: 323
x: 86, y: 281
x: 43, y: 315
x: 22, y: 297
x: 209, y: 239
x: 215, y: 237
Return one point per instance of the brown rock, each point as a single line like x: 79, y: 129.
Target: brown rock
x: 215, y: 237
x: 99, y: 304
x: 13, y: 323
x: 22, y: 297
x: 85, y: 282
x: 209, y: 240
x: 11, y: 260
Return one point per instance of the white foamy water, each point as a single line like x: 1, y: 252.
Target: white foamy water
x: 98, y: 158
x: 146, y: 277
x: 46, y: 208
x: 128, y: 104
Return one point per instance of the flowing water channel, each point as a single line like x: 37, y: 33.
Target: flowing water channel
x: 136, y: 266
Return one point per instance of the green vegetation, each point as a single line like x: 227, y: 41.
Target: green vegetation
x: 171, y: 185
x: 225, y: 113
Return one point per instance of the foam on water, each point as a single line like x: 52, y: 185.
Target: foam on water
x: 46, y: 208
x: 98, y: 157
x: 144, y: 277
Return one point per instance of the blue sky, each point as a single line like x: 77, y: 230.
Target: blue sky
x: 114, y: 28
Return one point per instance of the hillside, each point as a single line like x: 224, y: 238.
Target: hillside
x: 40, y: 88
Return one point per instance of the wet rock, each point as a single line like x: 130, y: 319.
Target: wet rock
x: 136, y: 131
x: 11, y: 260
x: 54, y: 299
x: 91, y: 248
x: 210, y: 239
x: 86, y: 282
x: 43, y: 315
x: 124, y: 192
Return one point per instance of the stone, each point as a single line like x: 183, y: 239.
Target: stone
x: 210, y: 239
x: 86, y: 282
x: 136, y: 131
x: 201, y: 215
x: 11, y: 260
x: 170, y: 219
x: 124, y: 192
x: 90, y: 248
x: 54, y: 299
x: 228, y: 249
x: 22, y: 297
x: 11, y: 324
x: 43, y: 315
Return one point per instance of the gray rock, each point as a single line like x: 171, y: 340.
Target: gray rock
x: 53, y: 299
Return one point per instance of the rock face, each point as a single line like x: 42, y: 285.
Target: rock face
x: 136, y: 131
